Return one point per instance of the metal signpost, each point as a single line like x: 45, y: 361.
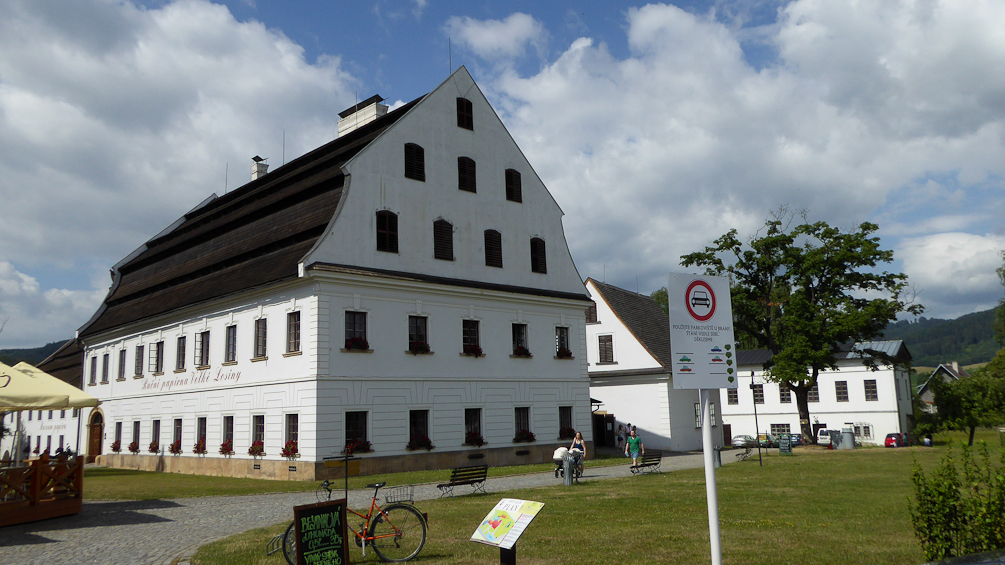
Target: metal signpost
x: 702, y: 343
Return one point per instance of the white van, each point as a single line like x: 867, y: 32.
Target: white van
x: 823, y: 436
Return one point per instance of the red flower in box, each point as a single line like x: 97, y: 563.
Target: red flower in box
x: 290, y: 449
x: 357, y: 343
x: 155, y: 447
x: 257, y: 448
x: 175, y: 448
x: 419, y: 442
x: 200, y: 446
x: 521, y: 351
x: 116, y: 446
x: 357, y: 446
x: 474, y: 438
x: 134, y: 447
x: 227, y: 447
x: 524, y: 435
x: 473, y: 350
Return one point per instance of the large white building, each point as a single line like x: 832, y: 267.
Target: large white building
x: 409, y: 280
x: 628, y: 346
x: 872, y: 403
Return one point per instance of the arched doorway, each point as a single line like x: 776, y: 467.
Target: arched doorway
x: 95, y: 433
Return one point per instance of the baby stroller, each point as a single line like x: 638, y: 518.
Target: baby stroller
x: 559, y: 458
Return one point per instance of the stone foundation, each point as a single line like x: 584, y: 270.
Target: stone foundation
x: 366, y: 464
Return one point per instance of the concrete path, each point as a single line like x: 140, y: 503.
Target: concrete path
x: 168, y: 532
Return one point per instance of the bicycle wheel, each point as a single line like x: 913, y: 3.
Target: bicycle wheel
x: 323, y: 492
x: 290, y: 544
x: 405, y: 532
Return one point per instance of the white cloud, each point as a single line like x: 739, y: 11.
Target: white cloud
x: 496, y: 40
x: 955, y: 271
x: 36, y: 316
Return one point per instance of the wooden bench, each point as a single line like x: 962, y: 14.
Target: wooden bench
x: 649, y: 462
x: 474, y: 475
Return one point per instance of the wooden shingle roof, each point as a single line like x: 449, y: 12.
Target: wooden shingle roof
x: 253, y: 236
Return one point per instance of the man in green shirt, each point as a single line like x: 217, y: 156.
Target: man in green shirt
x: 634, y: 446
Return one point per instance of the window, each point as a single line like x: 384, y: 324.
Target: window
x: 293, y: 332
x: 758, y: 394
x: 562, y: 348
x: 155, y: 431
x: 814, y: 393
x: 418, y: 423
x: 261, y: 327
x: 200, y: 429
x: 202, y: 349
x: 387, y: 231
x: 469, y: 337
x: 606, y: 348
x: 62, y: 414
x: 228, y: 429
x: 841, y: 390
x: 30, y: 414
x: 118, y: 432
x: 732, y: 397
x: 415, y: 162
x: 711, y: 411
x: 50, y: 414
x: 94, y: 370
x: 157, y: 357
x: 591, y: 313
x: 230, y: 355
x: 784, y: 394
x: 136, y: 432
x: 466, y: 174
x: 355, y: 426
x: 520, y: 339
x: 871, y: 394
x: 292, y: 427
x: 513, y: 190
x: 258, y: 429
x: 48, y: 443
x: 697, y: 414
x: 779, y: 429
x: 179, y: 357
x: 538, y: 261
x: 138, y: 362
x: 564, y: 418
x: 418, y: 339
x: 465, y: 115
x: 104, y: 368
x: 472, y: 423
x: 493, y: 249
x: 355, y: 330
x: 122, y: 364
x: 176, y: 434
x: 443, y: 240
x: 521, y: 416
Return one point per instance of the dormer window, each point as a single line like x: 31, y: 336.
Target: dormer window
x: 513, y: 190
x: 538, y: 262
x: 466, y: 174
x: 415, y: 162
x: 387, y: 231
x: 443, y: 240
x: 465, y: 115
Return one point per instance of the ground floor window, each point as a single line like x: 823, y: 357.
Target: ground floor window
x: 521, y: 416
x: 200, y: 433
x: 863, y: 431
x: 176, y: 436
x: 228, y: 429
x: 565, y: 422
x: 292, y: 427
x: 779, y: 429
x: 473, y: 426
x: 136, y: 432
x: 355, y: 427
x: 118, y: 433
x: 258, y: 428
x: 155, y: 431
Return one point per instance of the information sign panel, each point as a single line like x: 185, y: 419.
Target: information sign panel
x: 701, y: 332
x: 321, y: 533
x: 506, y: 522
x: 785, y: 444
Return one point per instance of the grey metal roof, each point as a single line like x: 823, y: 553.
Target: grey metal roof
x: 860, y: 350
x: 643, y: 317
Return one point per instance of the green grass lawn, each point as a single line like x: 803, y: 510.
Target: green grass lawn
x: 817, y: 506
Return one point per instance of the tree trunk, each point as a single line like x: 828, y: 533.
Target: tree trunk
x: 802, y: 394
x: 972, y: 428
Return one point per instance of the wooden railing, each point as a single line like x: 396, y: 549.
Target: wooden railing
x: 45, y: 488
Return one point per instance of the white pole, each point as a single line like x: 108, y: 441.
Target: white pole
x: 710, y: 492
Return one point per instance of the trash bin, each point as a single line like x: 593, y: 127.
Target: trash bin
x: 716, y: 456
x: 847, y: 439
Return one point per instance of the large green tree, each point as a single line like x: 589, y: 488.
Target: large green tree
x: 803, y: 293
x: 973, y: 402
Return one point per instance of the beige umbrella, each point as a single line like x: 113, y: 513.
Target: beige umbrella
x: 75, y: 398
x: 21, y: 391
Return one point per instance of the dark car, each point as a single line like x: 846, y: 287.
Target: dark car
x: 796, y: 439
x: 894, y: 440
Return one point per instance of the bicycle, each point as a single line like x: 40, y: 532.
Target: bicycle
x: 396, y: 532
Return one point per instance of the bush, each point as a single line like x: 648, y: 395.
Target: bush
x: 956, y: 515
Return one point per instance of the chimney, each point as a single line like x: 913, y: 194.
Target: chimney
x: 259, y: 167
x: 956, y: 367
x: 361, y: 114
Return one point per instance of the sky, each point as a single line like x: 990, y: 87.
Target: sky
x: 657, y: 127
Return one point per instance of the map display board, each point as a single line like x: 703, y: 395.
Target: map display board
x: 506, y: 522
x: 321, y: 533
x: 701, y: 332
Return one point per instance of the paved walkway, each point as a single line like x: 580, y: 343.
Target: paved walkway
x: 168, y: 532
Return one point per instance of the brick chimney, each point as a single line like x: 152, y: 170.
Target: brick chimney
x: 361, y: 114
x: 259, y: 168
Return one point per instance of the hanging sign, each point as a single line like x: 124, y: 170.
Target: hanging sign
x: 701, y: 332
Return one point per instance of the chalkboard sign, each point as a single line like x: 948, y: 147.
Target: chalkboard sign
x: 785, y: 444
x: 321, y: 533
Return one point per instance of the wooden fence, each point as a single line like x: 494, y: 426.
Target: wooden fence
x: 45, y: 488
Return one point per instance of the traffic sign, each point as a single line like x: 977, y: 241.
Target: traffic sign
x: 701, y: 332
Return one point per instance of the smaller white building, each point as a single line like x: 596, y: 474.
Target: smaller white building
x: 948, y: 372
x: 630, y: 368
x: 873, y: 403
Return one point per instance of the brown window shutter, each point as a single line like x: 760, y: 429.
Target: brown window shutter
x: 387, y: 231
x: 606, y: 349
x: 466, y: 174
x: 443, y: 240
x: 465, y: 115
x: 493, y: 249
x: 591, y: 314
x: 514, y: 191
x: 538, y: 262
x: 415, y: 162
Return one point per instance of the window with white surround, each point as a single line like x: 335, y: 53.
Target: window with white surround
x: 136, y: 432
x: 157, y: 357
x: 562, y: 348
x: 230, y: 354
x: 418, y: 337
x: 228, y: 429
x: 443, y: 240
x: 104, y: 369
x: 469, y: 337
x: 841, y: 390
x: 387, y: 231
x: 418, y: 424
x: 521, y: 416
x: 784, y: 394
x: 779, y: 429
x: 155, y: 431
x: 138, y: 362
x: 179, y: 358
x: 514, y: 190
x: 520, y: 340
x: 293, y: 332
x: 261, y: 327
x: 564, y: 418
x: 355, y: 426
x: 122, y: 365
x: 466, y: 174
x: 292, y: 427
x: 605, y: 348
x: 538, y: 256
x: 472, y: 424
x: 871, y: 393
x: 814, y: 393
x: 258, y: 429
x: 200, y: 429
x: 355, y: 330
x: 493, y: 249
x: 732, y: 397
x: 176, y: 434
x: 758, y: 394
x: 202, y: 350
x: 118, y: 432
x: 465, y: 114
x: 94, y: 371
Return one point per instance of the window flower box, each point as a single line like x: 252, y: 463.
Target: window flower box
x: 290, y: 450
x: 566, y: 433
x: 356, y: 344
x: 521, y: 351
x: 257, y: 448
x: 175, y: 448
x: 357, y: 446
x: 227, y: 447
x: 418, y: 347
x: 419, y: 442
x: 473, y: 351
x: 200, y: 446
x: 134, y: 446
x: 116, y: 446
x: 155, y: 447
x: 524, y: 436
x: 474, y: 438
x: 564, y: 353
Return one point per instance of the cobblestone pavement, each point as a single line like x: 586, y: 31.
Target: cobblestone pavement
x: 166, y: 532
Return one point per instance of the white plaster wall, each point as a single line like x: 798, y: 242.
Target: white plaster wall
x: 629, y: 354
x: 375, y: 181
x: 643, y: 403
x: 42, y: 424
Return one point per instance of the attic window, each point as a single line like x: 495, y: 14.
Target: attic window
x: 493, y: 249
x: 591, y: 313
x: 443, y: 240
x: 387, y: 231
x: 513, y: 190
x: 465, y: 116
x: 466, y: 174
x: 415, y: 162
x: 538, y: 262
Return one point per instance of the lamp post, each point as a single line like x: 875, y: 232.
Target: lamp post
x: 756, y: 439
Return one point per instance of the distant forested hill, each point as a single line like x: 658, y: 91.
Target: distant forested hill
x: 968, y: 339
x: 33, y: 356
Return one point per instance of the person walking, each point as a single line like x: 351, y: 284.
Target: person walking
x: 634, y: 446
x: 621, y: 436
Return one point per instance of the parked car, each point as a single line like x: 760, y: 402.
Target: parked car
x: 796, y: 439
x: 767, y: 440
x: 823, y: 437
x: 744, y: 441
x: 894, y: 440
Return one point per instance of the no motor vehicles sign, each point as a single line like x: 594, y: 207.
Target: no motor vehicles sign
x: 701, y: 332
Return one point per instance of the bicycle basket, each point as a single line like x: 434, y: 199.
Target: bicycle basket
x: 404, y: 493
